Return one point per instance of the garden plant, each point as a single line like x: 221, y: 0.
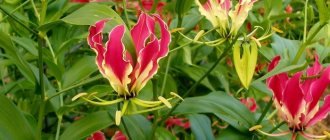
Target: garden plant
x: 164, y: 69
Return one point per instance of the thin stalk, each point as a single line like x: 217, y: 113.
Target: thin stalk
x: 305, y: 44
x: 305, y: 22
x: 276, y: 127
x: 154, y: 6
x: 169, y: 56
x: 264, y: 112
x: 201, y: 79
x: 43, y: 12
x: 18, y: 21
x: 124, y: 124
x: 42, y: 87
x: 58, y: 130
x: 155, y: 96
x: 36, y: 13
x: 76, y: 85
x: 12, y: 12
x: 126, y: 15
x: 60, y: 116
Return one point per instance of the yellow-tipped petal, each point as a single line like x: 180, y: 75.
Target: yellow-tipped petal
x: 78, y: 96
x: 118, y: 117
x: 167, y: 103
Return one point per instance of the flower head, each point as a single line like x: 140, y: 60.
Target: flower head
x: 297, y: 97
x: 218, y: 13
x: 128, y: 76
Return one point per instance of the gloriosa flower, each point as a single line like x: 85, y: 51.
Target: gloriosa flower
x: 219, y: 11
x: 128, y: 72
x: 128, y: 76
x: 297, y: 97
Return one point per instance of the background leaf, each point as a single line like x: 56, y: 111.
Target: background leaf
x: 87, y: 125
x: 13, y: 124
x: 201, y: 127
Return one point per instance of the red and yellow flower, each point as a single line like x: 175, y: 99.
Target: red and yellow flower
x: 297, y: 97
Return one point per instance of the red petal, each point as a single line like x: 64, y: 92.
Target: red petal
x: 95, y: 42
x: 277, y: 84
x: 293, y: 96
x: 119, y: 136
x: 274, y: 62
x: 316, y: 69
x: 140, y: 32
x: 318, y: 87
x: 116, y: 64
x: 144, y: 65
x: 322, y: 113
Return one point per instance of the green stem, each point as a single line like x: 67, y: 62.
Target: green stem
x: 305, y: 22
x: 276, y: 127
x: 124, y: 124
x: 18, y: 21
x: 43, y: 12
x: 58, y: 130
x: 176, y: 38
x: 42, y: 87
x: 35, y: 10
x: 154, y: 6
x: 12, y: 12
x: 155, y: 96
x: 264, y: 112
x: 126, y: 15
x: 77, y: 85
x: 305, y: 44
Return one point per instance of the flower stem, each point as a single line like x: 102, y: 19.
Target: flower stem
x: 264, y: 112
x: 18, y: 21
x: 306, y: 43
x: 124, y: 124
x: 155, y: 96
x: 126, y: 15
x: 42, y: 87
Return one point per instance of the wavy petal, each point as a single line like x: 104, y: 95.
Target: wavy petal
x: 239, y: 15
x: 316, y: 69
x: 117, y: 63
x: 274, y: 63
x: 322, y: 113
x: 293, y: 95
x: 318, y: 87
x: 94, y: 40
x: 140, y: 32
x: 164, y: 42
x: 144, y: 65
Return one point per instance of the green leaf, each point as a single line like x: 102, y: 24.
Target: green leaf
x: 231, y: 134
x: 223, y: 106
x: 196, y: 72
x: 182, y: 6
x: 282, y: 46
x: 27, y: 44
x: 164, y: 134
x: 87, y: 125
x: 79, y: 71
x: 201, y: 127
x: 14, y: 55
x: 13, y: 124
x: 92, y: 12
x: 139, y: 127
x: 324, y: 13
